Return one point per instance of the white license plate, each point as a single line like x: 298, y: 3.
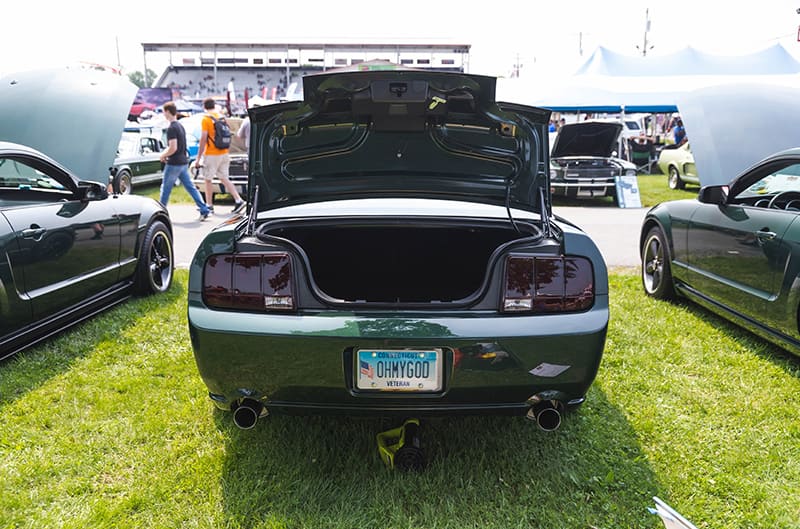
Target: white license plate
x: 399, y: 369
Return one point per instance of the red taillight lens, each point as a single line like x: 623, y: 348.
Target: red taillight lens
x: 251, y: 282
x: 548, y: 284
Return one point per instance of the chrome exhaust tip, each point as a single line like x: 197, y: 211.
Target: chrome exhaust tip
x: 246, y: 414
x: 546, y: 414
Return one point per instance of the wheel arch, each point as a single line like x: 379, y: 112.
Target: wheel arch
x: 652, y: 221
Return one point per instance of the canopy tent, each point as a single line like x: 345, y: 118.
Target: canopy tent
x: 611, y: 82
x: 774, y: 60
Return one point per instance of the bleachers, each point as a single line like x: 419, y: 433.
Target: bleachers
x: 194, y: 82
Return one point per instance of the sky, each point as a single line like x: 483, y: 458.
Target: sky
x: 545, y: 38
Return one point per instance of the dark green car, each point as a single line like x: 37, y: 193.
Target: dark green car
x: 399, y: 257
x: 735, y: 249
x: 68, y: 248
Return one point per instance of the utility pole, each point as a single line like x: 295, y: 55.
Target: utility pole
x: 645, y: 46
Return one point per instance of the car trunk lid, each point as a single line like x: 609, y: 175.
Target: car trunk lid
x: 399, y: 133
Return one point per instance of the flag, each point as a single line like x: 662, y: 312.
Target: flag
x: 366, y: 369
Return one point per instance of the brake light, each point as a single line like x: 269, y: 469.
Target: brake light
x: 254, y: 282
x: 548, y: 284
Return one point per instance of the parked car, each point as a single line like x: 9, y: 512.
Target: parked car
x: 584, y: 160
x: 677, y: 162
x: 138, y: 159
x: 735, y: 249
x: 69, y: 249
x: 399, y: 257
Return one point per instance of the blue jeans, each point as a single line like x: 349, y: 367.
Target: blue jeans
x: 181, y: 172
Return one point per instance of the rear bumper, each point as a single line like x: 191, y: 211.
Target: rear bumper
x: 493, y: 363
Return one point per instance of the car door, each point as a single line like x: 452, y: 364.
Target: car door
x: 15, y: 310
x: 738, y: 253
x: 65, y: 249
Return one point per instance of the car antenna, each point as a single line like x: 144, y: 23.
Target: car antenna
x: 251, y: 218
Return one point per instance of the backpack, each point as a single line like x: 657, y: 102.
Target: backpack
x: 222, y: 133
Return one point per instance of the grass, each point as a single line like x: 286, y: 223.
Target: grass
x: 178, y: 195
x: 109, y: 426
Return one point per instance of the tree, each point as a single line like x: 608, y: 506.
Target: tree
x: 138, y: 78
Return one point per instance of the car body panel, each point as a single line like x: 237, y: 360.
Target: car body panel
x: 725, y: 142
x: 75, y: 111
x: 320, y: 214
x: 68, y: 249
x: 741, y: 258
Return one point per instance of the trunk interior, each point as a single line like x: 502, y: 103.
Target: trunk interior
x: 386, y: 263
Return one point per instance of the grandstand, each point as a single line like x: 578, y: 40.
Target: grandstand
x: 272, y: 70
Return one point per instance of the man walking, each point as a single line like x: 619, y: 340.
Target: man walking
x: 214, y: 160
x: 176, y: 161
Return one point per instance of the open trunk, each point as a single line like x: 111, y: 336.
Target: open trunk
x: 383, y: 262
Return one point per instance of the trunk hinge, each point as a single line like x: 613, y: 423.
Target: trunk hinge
x: 547, y: 229
x: 251, y: 218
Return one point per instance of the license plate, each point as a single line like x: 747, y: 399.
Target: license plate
x: 399, y: 369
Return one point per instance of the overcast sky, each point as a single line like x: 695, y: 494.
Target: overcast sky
x: 545, y: 37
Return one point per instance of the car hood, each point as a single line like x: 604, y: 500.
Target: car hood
x: 587, y: 138
x: 731, y: 127
x: 399, y: 133
x: 74, y: 116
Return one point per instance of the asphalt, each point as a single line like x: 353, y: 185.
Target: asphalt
x: 614, y: 230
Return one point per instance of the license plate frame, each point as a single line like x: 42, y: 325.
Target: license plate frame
x: 385, y: 370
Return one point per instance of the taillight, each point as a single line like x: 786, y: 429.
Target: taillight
x: 548, y: 284
x: 254, y: 282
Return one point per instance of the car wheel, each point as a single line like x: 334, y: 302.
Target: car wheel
x: 675, y: 181
x: 123, y: 183
x: 656, y: 271
x: 154, y: 270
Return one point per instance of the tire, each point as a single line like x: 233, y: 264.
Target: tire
x: 656, y: 267
x: 122, y: 183
x: 154, y: 270
x: 674, y: 180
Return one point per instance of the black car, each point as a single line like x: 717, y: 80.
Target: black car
x: 584, y: 160
x: 69, y: 249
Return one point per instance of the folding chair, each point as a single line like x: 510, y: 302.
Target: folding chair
x: 642, y: 154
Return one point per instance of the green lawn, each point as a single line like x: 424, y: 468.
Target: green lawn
x: 110, y: 426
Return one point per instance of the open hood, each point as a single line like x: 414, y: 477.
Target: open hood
x: 587, y: 138
x: 399, y: 133
x: 732, y: 127
x: 74, y: 116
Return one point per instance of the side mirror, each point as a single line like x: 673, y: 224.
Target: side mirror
x: 88, y: 191
x: 713, y: 195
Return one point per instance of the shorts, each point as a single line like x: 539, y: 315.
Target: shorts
x: 217, y: 165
